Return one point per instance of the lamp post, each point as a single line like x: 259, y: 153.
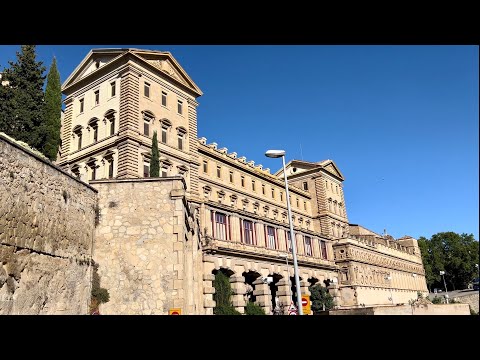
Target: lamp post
x: 277, y: 154
x: 444, y: 284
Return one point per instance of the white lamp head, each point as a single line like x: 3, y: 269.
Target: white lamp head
x: 275, y: 153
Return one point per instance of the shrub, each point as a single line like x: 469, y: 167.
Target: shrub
x: 99, y: 295
x: 254, y: 309
x: 223, y: 293
x: 320, y: 298
x: 437, y: 300
x: 225, y: 310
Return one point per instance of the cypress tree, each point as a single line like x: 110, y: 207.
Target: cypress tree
x: 154, y: 159
x: 5, y: 106
x: 52, y: 113
x: 24, y: 111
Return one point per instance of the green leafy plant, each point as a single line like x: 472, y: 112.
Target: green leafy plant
x: 154, y: 159
x: 254, y: 309
x: 320, y: 298
x: 99, y: 295
x: 222, y: 296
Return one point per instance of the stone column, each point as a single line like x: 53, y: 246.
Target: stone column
x: 239, y: 289
x: 284, y: 294
x: 208, y: 291
x: 263, y: 295
x: 334, y: 291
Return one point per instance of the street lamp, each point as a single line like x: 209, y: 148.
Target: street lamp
x: 444, y: 284
x: 277, y: 154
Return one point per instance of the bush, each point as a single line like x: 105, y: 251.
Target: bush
x: 472, y: 312
x: 437, y: 300
x: 254, y: 309
x: 223, y: 293
x: 99, y: 295
x: 320, y: 298
x: 225, y: 310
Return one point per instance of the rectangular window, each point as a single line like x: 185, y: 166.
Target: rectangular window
x: 297, y: 203
x: 304, y: 205
x: 289, y: 241
x: 97, y: 97
x: 205, y: 166
x: 164, y: 172
x: 79, y: 135
x: 146, y: 127
x: 281, y: 196
x: 248, y: 232
x: 95, y: 133
x: 146, y: 169
x: 81, y: 105
x: 253, y: 185
x: 323, y: 248
x: 219, y: 171
x: 180, y: 107
x: 110, y: 169
x: 146, y: 90
x: 164, y: 135
x: 305, y: 186
x: 94, y: 172
x: 271, y: 237
x: 263, y: 189
x: 220, y: 226
x: 308, y: 246
x: 112, y: 126
x: 231, y: 176
x: 164, y: 98
x: 242, y: 180
x: 112, y: 89
x: 273, y: 193
x: 180, y: 142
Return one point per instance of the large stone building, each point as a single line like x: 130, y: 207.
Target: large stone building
x: 220, y: 212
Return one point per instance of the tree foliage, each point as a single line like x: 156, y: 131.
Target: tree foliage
x: 320, y: 298
x: 52, y: 112
x: 21, y: 109
x: 154, y: 159
x: 456, y: 254
x: 222, y: 296
x: 254, y: 309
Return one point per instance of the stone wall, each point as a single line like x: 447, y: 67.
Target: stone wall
x: 471, y: 299
x: 47, y: 220
x: 430, y: 309
x: 146, y: 247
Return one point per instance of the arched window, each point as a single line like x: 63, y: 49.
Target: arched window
x: 110, y: 121
x: 166, y: 125
x: 148, y: 118
x: 93, y: 124
x: 77, y: 131
x: 182, y: 133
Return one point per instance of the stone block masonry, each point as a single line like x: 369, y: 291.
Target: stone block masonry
x: 145, y: 247
x: 47, y: 221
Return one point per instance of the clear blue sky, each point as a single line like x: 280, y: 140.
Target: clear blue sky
x: 401, y: 122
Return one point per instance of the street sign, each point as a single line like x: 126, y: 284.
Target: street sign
x: 175, y: 311
x: 306, y: 304
x: 292, y: 310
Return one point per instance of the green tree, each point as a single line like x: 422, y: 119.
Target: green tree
x: 320, y: 299
x: 154, y: 159
x: 456, y: 254
x: 222, y: 296
x: 52, y: 113
x: 254, y: 309
x: 22, y: 113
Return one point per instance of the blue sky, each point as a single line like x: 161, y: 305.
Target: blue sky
x: 401, y: 122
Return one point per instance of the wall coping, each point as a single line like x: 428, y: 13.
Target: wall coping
x: 159, y: 179
x: 11, y: 141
